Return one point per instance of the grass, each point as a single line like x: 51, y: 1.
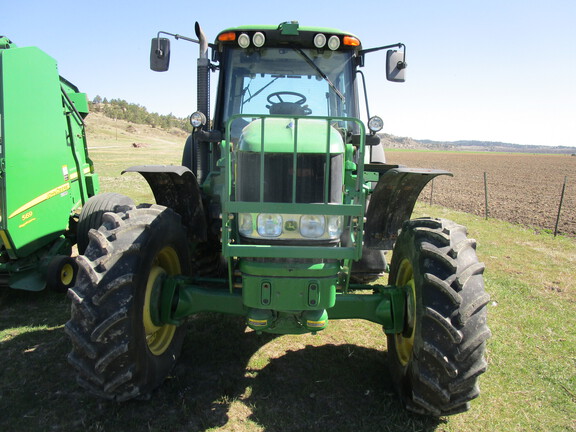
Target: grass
x: 531, y: 380
x: 230, y: 379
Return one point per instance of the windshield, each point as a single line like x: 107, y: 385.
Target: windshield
x: 287, y: 81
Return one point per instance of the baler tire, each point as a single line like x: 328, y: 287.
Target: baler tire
x: 117, y: 350
x: 61, y: 273
x: 436, y: 360
x: 92, y: 212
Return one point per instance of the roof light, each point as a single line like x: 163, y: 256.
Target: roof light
x: 351, y: 41
x: 319, y: 40
x: 258, y: 39
x: 334, y: 43
x: 227, y: 37
x: 244, y: 40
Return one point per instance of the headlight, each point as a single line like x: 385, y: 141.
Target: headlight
x: 245, y: 225
x: 269, y: 225
x: 335, y: 224
x: 290, y: 227
x: 312, y: 226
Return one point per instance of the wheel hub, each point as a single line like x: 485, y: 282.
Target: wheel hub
x: 405, y: 339
x: 158, y: 337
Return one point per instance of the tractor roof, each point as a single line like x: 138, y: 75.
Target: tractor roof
x: 288, y: 32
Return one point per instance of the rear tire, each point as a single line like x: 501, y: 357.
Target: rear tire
x: 118, y: 352
x: 436, y: 360
x: 92, y: 212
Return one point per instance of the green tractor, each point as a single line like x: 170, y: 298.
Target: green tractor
x: 46, y: 176
x: 281, y: 213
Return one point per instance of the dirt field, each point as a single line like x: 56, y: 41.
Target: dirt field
x: 522, y: 188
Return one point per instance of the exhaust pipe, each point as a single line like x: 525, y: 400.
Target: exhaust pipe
x: 203, y: 102
x: 203, y: 75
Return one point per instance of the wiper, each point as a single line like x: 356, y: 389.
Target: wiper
x: 322, y: 74
x: 252, y: 96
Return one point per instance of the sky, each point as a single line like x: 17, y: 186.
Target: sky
x: 488, y: 70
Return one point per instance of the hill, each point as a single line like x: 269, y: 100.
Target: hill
x: 394, y: 142
x: 119, y: 109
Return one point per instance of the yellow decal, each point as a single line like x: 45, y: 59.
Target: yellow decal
x: 257, y: 322
x: 45, y: 196
x: 5, y: 240
x: 27, y: 222
x: 310, y: 323
x: 74, y: 175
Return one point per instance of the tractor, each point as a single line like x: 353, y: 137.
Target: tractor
x: 281, y: 212
x: 48, y: 187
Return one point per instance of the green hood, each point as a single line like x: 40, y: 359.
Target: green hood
x: 280, y: 136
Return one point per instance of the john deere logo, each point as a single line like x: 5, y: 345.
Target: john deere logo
x: 290, y: 225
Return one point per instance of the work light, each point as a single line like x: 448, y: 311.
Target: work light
x: 375, y: 124
x: 197, y: 119
x: 319, y: 40
x: 244, y: 40
x: 258, y: 39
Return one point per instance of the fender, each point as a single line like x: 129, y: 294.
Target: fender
x: 176, y: 187
x: 392, y: 202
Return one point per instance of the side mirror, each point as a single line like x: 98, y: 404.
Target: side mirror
x: 160, y: 54
x: 395, y: 66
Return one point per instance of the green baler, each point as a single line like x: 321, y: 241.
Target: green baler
x: 45, y: 173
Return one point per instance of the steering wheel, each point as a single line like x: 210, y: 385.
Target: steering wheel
x: 278, y: 95
x: 281, y: 107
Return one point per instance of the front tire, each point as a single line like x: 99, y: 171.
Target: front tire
x: 118, y: 351
x: 436, y: 360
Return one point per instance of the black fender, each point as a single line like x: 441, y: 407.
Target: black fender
x: 176, y: 187
x: 392, y: 202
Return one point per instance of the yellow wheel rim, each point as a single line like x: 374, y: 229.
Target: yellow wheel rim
x: 405, y: 342
x: 66, y: 274
x: 159, y: 338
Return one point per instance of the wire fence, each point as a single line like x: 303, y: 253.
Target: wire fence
x: 533, y: 190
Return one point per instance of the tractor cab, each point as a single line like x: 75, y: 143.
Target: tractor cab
x: 268, y: 74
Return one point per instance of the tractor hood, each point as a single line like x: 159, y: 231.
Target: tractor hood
x: 286, y: 135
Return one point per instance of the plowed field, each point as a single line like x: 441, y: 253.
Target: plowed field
x: 522, y: 188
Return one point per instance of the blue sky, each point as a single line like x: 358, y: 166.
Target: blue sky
x: 481, y: 70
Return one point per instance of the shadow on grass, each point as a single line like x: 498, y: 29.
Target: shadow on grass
x: 331, y: 387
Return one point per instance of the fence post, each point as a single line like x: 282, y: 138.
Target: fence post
x: 560, y: 207
x: 486, y: 194
x: 431, y: 190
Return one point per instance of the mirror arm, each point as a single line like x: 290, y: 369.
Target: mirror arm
x: 365, y: 92
x: 401, y: 65
x: 369, y: 50
x: 178, y: 36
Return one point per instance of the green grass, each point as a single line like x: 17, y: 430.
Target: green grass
x: 531, y: 381
x: 230, y: 379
